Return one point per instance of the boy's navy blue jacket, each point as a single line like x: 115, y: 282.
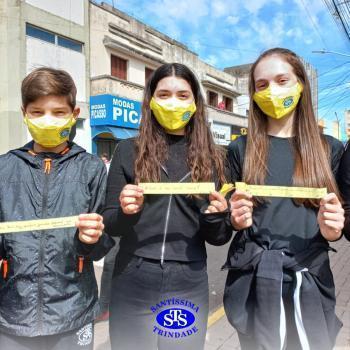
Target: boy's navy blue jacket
x: 43, y: 292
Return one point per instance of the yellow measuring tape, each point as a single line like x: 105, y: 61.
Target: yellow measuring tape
x: 255, y: 190
x: 177, y: 187
x: 172, y: 188
x: 275, y: 191
x: 37, y: 225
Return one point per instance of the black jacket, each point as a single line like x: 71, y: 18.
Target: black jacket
x: 169, y: 227
x: 253, y: 292
x: 43, y: 292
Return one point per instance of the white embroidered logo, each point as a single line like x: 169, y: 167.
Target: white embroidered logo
x: 85, y: 335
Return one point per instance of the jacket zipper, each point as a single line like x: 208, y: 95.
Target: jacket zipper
x: 167, y: 217
x: 47, y: 171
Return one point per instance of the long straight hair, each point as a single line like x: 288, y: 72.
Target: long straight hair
x: 204, y: 158
x: 311, y: 150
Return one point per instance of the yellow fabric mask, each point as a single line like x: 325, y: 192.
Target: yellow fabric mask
x: 172, y: 116
x: 277, y: 105
x: 49, y: 131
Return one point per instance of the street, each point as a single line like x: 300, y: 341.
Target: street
x: 220, y: 335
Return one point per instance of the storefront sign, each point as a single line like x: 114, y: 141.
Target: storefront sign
x: 114, y: 111
x: 221, y: 133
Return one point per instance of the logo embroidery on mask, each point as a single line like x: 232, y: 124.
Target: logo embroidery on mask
x: 64, y: 133
x: 288, y: 101
x: 85, y: 335
x: 186, y: 116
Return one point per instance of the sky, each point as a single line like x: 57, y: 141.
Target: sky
x: 225, y: 33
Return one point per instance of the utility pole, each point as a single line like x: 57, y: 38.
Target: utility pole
x: 338, y: 124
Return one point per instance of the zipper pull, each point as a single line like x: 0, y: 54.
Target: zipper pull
x: 4, y: 268
x: 80, y: 263
x: 47, y: 165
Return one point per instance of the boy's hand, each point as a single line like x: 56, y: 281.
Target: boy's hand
x: 131, y: 199
x: 330, y: 217
x: 90, y: 227
x: 217, y: 203
x: 241, y: 210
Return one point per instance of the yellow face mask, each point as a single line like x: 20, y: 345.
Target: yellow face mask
x: 49, y: 131
x: 277, y: 105
x: 172, y: 116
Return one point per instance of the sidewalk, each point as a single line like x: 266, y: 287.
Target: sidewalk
x: 221, y: 336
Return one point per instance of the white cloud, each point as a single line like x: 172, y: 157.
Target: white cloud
x: 270, y: 34
x: 232, y: 20
x: 183, y: 10
x: 255, y: 6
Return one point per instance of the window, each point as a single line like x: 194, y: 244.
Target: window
x: 148, y: 73
x: 119, y: 67
x: 69, y: 43
x: 212, y: 99
x: 40, y: 34
x: 53, y: 38
x: 228, y: 104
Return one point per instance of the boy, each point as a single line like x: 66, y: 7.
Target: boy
x: 48, y: 292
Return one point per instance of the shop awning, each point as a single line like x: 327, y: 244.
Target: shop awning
x: 118, y: 133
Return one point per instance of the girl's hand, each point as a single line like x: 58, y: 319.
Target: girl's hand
x: 131, y: 199
x: 330, y: 217
x: 90, y: 227
x: 217, y: 203
x: 241, y: 210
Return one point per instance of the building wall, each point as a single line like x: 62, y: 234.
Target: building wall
x: 113, y: 32
x: 21, y: 53
x: 72, y: 10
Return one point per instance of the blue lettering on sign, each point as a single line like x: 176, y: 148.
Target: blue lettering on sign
x: 175, y: 318
x: 114, y: 111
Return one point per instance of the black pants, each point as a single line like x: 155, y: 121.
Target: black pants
x: 107, y: 274
x: 148, y: 299
x: 82, y: 338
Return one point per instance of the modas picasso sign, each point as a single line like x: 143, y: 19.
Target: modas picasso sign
x: 114, y: 111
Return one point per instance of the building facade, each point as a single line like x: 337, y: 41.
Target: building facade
x: 124, y: 52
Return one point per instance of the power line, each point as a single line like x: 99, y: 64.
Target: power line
x: 314, y: 24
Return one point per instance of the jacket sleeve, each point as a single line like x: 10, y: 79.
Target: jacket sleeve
x: 343, y: 177
x: 215, y: 227
x: 97, y: 189
x: 116, y: 222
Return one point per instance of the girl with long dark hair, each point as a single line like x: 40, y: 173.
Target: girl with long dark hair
x: 160, y: 285
x: 279, y: 291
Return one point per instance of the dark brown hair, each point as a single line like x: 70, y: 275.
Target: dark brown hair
x: 311, y: 150
x: 47, y: 81
x: 204, y: 158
